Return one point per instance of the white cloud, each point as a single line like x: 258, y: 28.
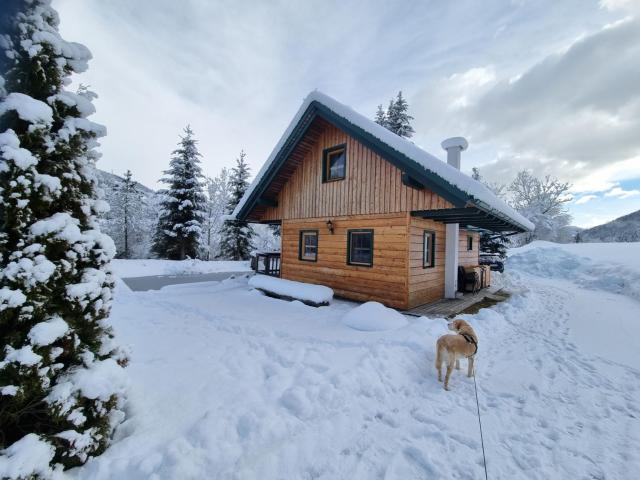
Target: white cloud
x: 621, y: 193
x: 584, y: 199
x: 632, y: 6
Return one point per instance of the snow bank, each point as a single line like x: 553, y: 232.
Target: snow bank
x: 149, y: 267
x: 373, y: 317
x: 305, y: 292
x: 611, y: 267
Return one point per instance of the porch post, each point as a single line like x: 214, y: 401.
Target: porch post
x: 451, y: 260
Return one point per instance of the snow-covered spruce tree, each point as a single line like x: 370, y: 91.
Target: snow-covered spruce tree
x: 61, y: 378
x: 236, y: 236
x: 398, y: 118
x: 381, y: 116
x: 127, y: 209
x: 183, y: 205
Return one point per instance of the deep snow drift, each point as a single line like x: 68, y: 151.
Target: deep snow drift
x: 228, y: 383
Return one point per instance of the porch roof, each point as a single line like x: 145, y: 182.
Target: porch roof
x: 471, y: 216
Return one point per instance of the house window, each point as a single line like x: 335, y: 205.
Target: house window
x: 308, y: 249
x: 360, y: 247
x: 428, y: 249
x: 469, y: 243
x: 334, y: 163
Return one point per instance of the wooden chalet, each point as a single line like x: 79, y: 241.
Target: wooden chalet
x: 367, y: 212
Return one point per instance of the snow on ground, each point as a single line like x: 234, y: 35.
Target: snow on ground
x: 228, y: 383
x: 148, y: 267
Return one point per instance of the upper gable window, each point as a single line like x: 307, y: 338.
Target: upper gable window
x: 334, y: 163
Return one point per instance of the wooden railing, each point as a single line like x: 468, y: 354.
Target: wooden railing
x: 266, y: 263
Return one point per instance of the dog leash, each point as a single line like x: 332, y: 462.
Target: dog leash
x: 484, y: 457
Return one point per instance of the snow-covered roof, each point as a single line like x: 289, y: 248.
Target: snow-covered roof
x: 453, y: 180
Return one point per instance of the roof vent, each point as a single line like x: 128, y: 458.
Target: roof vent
x: 454, y: 146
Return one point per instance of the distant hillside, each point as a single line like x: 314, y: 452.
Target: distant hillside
x: 106, y: 180
x: 623, y: 229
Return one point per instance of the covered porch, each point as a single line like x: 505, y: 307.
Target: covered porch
x: 472, y: 217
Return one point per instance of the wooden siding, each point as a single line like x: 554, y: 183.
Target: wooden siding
x: 385, y: 281
x: 372, y: 185
x: 468, y: 257
x: 425, y: 284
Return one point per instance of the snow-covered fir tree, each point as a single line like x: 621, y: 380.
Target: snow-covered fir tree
x: 183, y: 205
x: 218, y: 196
x: 398, y: 118
x: 127, y: 215
x: 381, y: 116
x: 236, y: 236
x: 61, y: 379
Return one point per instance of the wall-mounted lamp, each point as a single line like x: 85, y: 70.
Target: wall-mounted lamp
x: 330, y: 226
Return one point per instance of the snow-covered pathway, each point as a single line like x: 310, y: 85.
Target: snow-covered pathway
x: 551, y: 409
x: 227, y: 383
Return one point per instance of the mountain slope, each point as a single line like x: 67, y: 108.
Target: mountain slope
x: 622, y: 229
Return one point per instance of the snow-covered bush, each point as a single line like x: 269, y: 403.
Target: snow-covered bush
x: 61, y: 386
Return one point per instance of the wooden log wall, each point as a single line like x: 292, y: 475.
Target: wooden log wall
x: 386, y: 281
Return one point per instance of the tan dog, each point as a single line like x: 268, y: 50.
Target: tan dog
x: 450, y: 348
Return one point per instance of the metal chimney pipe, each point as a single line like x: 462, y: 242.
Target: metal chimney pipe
x: 454, y: 146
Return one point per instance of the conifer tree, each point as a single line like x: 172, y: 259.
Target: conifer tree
x: 236, y: 236
x: 183, y: 206
x: 61, y: 377
x: 398, y: 118
x: 381, y: 116
x: 126, y: 209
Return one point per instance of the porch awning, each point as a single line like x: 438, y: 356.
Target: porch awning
x: 471, y: 217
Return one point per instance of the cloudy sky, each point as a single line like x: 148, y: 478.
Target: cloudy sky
x: 545, y: 85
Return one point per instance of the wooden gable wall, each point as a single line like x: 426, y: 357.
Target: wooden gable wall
x: 372, y: 185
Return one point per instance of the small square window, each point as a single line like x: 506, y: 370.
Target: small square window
x: 469, y: 243
x: 428, y: 249
x: 308, y: 249
x: 334, y: 163
x: 360, y: 247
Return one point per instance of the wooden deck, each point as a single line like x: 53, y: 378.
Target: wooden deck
x: 451, y: 307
